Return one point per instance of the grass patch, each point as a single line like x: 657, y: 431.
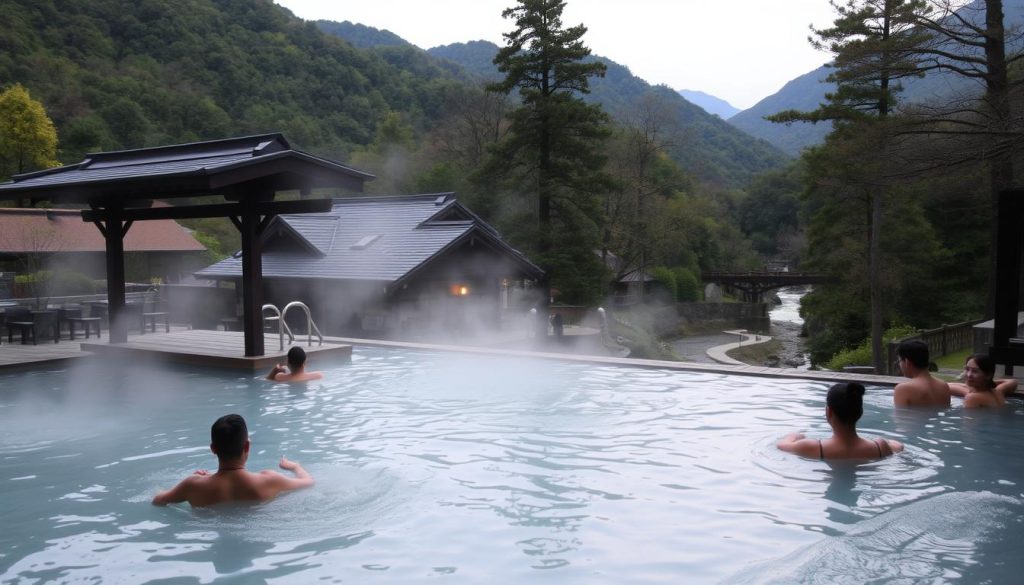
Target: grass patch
x: 953, y: 361
x: 756, y: 354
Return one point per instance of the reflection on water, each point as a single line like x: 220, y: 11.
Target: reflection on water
x: 431, y: 465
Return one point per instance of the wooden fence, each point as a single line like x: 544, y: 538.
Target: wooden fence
x: 941, y: 341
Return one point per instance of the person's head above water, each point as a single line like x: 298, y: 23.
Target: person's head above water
x: 229, y: 437
x: 980, y: 373
x: 296, y: 357
x: 914, y: 351
x: 846, y: 402
x: 296, y: 371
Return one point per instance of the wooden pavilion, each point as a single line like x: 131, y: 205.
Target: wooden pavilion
x: 248, y: 172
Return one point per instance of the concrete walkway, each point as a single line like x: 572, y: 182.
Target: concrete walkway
x: 719, y: 352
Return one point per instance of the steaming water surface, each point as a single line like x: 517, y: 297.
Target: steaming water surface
x: 437, y: 466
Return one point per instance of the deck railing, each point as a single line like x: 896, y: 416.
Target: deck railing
x: 941, y: 341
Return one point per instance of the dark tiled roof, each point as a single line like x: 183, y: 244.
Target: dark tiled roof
x: 181, y: 169
x: 373, y: 238
x: 62, y: 230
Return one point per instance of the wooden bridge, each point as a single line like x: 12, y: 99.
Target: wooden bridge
x: 753, y: 284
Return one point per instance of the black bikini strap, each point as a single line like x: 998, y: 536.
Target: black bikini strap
x: 821, y: 450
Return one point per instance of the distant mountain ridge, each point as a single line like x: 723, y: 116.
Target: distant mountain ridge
x: 360, y: 35
x: 710, y: 104
x: 806, y: 92
x: 715, y: 151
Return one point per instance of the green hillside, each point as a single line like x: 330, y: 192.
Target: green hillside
x: 116, y: 74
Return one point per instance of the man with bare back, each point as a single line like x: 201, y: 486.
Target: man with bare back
x: 231, y: 482
x: 922, y: 389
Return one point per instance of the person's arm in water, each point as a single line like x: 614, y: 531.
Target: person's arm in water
x: 796, y: 443
x: 959, y: 389
x: 180, y: 492
x: 277, y: 369
x: 277, y: 482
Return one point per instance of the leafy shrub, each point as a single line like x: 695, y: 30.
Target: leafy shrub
x: 666, y: 280
x: 71, y: 283
x: 687, y: 285
x: 861, y: 355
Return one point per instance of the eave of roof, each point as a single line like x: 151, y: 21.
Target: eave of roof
x: 182, y: 170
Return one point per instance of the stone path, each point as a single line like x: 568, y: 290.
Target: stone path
x: 718, y: 353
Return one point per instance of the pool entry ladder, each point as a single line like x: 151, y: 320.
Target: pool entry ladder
x: 282, y: 326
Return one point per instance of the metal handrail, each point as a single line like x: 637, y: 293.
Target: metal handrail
x: 310, y: 325
x: 281, y: 325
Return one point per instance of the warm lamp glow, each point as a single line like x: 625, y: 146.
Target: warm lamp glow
x: 460, y: 290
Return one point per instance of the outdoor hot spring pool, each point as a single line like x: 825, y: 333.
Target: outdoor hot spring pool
x: 435, y: 467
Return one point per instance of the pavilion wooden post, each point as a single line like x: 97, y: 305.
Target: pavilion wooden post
x: 1010, y: 241
x: 113, y: 229
x: 252, y: 281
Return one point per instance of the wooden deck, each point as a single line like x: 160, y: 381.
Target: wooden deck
x: 197, y: 347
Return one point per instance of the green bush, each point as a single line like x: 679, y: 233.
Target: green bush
x: 687, y: 285
x: 71, y: 283
x: 861, y: 355
x: 667, y: 281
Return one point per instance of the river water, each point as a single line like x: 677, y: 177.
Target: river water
x: 786, y: 324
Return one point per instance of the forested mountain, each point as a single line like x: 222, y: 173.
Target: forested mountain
x: 361, y: 35
x: 710, y: 104
x: 712, y: 149
x: 115, y: 74
x: 806, y: 92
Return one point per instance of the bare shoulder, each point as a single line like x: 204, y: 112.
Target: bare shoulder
x: 905, y: 392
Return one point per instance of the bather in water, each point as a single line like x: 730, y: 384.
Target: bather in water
x: 979, y: 389
x: 844, y: 407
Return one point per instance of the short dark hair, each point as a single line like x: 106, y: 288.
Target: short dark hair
x: 228, y: 436
x: 914, y: 350
x: 846, y: 400
x: 296, y: 357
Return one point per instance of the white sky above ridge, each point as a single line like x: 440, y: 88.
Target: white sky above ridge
x: 738, y: 50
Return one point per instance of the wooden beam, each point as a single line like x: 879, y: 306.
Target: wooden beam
x: 216, y: 210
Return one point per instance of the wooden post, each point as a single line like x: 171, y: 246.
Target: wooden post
x: 252, y: 282
x: 113, y: 230
x: 1008, y: 255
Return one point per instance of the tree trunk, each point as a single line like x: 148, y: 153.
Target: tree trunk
x: 875, y: 280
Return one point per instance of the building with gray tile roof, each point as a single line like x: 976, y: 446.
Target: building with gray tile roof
x: 387, y: 266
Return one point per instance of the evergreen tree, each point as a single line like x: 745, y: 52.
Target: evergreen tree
x: 552, y: 147
x: 875, y: 44
x: 28, y: 140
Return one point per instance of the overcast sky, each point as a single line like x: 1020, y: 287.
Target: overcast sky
x: 737, y: 50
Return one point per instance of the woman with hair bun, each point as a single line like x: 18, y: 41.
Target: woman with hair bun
x: 843, y: 408
x: 979, y: 389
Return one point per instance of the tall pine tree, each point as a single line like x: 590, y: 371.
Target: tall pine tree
x: 552, y: 151
x: 874, y: 44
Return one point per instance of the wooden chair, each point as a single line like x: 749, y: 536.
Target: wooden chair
x: 37, y: 321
